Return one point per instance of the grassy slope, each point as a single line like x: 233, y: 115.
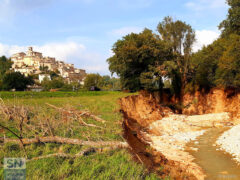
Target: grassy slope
x: 116, y: 164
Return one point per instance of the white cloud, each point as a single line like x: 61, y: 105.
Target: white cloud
x: 204, y: 37
x: 70, y: 52
x: 200, y: 5
x: 126, y: 30
x: 63, y: 51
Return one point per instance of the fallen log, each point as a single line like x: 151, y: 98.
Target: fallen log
x: 64, y: 155
x: 62, y: 140
x: 85, y: 124
x: 94, y: 117
x: 85, y: 152
x: 80, y: 113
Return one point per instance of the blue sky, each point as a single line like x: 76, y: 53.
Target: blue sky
x: 83, y: 31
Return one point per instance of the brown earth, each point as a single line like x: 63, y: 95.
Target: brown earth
x: 140, y: 111
x: 215, y: 101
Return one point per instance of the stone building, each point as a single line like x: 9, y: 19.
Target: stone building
x: 32, y: 63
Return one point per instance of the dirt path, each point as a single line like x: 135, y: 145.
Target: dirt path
x: 216, y: 164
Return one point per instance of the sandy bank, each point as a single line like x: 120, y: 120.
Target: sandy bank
x: 229, y: 141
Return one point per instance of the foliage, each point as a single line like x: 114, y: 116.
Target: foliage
x: 231, y: 25
x: 17, y: 81
x: 137, y: 58
x: 58, y: 83
x: 217, y: 65
x: 55, y: 83
x: 152, y: 79
x: 204, y: 64
x: 53, y: 74
x: 178, y: 34
x: 105, y: 83
x: 44, y: 69
x: 144, y: 60
x: 92, y: 80
x: 110, y: 83
x: 5, y: 65
x: 228, y: 72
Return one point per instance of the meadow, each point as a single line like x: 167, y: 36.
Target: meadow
x: 45, y: 114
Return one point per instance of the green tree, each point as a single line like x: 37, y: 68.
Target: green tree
x: 93, y: 80
x: 5, y: 65
x: 228, y: 71
x: 135, y: 58
x: 232, y: 23
x: 16, y: 80
x: 106, y: 83
x: 53, y: 74
x: 204, y: 64
x: 44, y: 69
x: 180, y: 36
x: 116, y: 84
x: 55, y: 83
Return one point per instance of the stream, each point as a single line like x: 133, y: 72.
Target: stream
x: 216, y: 164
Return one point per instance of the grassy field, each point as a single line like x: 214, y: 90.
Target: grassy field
x: 43, y: 120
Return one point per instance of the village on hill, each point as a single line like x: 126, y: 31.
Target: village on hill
x: 34, y: 63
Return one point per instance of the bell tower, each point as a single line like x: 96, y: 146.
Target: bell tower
x: 30, y: 51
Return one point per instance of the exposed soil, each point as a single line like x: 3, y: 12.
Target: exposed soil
x: 156, y: 135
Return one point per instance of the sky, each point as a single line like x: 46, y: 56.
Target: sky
x: 83, y: 32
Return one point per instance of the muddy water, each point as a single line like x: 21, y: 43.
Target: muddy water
x: 216, y: 164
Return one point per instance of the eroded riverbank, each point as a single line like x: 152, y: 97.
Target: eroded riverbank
x: 158, y: 137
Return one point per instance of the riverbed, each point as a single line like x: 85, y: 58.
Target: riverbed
x: 217, y: 164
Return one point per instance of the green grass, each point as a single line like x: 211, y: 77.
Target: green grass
x: 114, y: 164
x: 29, y: 94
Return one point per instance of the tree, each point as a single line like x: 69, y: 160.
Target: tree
x: 217, y: 65
x: 5, y: 65
x: 116, y: 84
x: 180, y: 36
x: 53, y: 74
x: 232, y: 23
x: 92, y: 80
x: 204, y: 64
x: 228, y: 71
x: 55, y: 83
x: 136, y: 59
x: 17, y: 81
x: 44, y: 69
x: 106, y: 82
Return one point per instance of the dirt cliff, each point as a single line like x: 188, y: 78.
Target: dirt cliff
x: 215, y: 101
x: 141, y: 111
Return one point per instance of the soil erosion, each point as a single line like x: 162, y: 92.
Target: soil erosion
x: 201, y: 142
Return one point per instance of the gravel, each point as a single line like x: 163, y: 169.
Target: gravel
x: 229, y: 141
x: 178, y: 140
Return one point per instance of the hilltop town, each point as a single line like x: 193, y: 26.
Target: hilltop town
x: 33, y: 63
